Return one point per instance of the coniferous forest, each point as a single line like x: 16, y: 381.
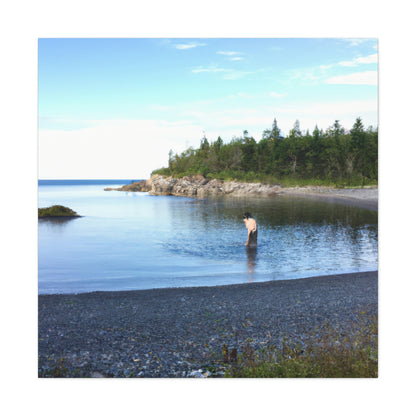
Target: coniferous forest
x: 335, y: 156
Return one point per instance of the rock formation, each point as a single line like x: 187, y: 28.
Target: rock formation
x: 198, y: 186
x: 57, y: 211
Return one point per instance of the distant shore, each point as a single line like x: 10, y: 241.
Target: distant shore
x: 366, y: 198
x: 199, y: 187
x: 179, y: 332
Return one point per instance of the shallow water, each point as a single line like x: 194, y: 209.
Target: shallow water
x: 137, y: 241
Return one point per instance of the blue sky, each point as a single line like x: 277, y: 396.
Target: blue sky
x: 117, y: 106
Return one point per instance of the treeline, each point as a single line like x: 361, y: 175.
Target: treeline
x: 333, y: 156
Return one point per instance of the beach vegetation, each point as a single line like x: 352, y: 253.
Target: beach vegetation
x: 334, y: 157
x: 328, y: 352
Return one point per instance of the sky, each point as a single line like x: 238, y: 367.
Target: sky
x: 113, y: 108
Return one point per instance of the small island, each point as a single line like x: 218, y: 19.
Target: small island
x: 57, y: 211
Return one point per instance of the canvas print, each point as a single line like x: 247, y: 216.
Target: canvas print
x: 207, y: 208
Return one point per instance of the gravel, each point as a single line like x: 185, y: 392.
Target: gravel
x: 180, y: 332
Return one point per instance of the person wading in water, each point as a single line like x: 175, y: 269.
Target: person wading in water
x: 252, y: 230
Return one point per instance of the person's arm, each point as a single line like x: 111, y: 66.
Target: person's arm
x: 248, y: 238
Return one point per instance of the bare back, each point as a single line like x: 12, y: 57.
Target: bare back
x: 251, y: 224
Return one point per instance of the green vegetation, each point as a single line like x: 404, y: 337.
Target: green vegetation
x: 56, y: 211
x: 328, y: 352
x: 335, y: 157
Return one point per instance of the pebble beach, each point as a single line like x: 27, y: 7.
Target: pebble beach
x: 180, y: 332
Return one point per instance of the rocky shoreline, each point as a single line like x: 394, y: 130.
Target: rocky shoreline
x: 199, y: 187
x: 180, y: 332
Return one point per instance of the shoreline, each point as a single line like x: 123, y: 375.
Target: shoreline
x: 179, y: 332
x: 199, y: 187
x: 364, y: 198
x: 195, y: 288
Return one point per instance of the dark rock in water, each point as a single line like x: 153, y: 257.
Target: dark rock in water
x: 57, y: 211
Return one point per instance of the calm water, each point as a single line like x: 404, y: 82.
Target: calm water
x: 137, y: 241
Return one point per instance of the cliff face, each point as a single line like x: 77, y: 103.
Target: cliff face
x: 198, y: 187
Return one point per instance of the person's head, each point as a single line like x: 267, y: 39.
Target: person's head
x: 247, y: 215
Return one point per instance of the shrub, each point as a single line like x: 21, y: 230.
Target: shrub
x: 56, y: 211
x: 329, y: 352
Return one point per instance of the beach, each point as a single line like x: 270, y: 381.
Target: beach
x: 180, y: 332
x: 366, y: 198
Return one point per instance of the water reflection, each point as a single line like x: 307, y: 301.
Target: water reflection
x: 56, y: 222
x: 290, y: 210
x: 251, y: 260
x: 308, y: 236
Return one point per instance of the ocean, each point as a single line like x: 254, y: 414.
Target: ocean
x: 128, y: 241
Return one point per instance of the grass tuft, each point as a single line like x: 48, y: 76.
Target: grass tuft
x: 330, y: 352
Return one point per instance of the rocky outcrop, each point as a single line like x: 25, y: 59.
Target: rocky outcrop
x: 57, y: 211
x: 198, y: 187
x: 140, y: 186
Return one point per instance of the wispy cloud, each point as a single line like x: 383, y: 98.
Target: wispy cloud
x: 308, y: 76
x: 315, y: 75
x: 190, y: 45
x: 228, y: 53
x: 357, y: 78
x: 210, y: 69
x: 370, y: 59
x: 359, y: 60
x: 357, y: 41
x: 231, y: 55
x: 228, y: 73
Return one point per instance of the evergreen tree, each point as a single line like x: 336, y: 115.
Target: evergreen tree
x: 218, y: 145
x: 336, y: 130
x: 249, y: 153
x: 275, y: 132
x: 295, y: 132
x: 337, y: 155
